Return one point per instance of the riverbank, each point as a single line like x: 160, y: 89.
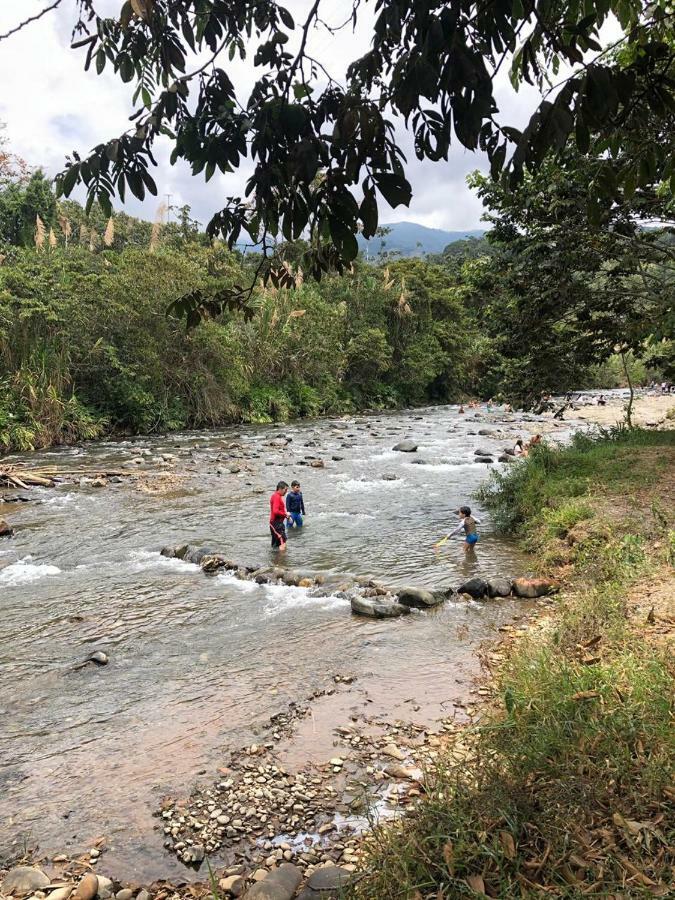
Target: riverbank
x: 350, y: 752
x: 568, y: 786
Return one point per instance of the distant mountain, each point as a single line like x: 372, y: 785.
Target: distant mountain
x: 410, y: 239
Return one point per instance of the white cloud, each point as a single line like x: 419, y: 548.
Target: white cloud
x: 51, y: 107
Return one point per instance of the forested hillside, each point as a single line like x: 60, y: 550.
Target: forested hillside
x: 87, y: 346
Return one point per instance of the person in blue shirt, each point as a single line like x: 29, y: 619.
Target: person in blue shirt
x: 295, y: 505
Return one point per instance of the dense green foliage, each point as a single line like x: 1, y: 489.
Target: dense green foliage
x: 85, y: 342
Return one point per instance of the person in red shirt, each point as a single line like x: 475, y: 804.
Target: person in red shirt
x: 278, y: 516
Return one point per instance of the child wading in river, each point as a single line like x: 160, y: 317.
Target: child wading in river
x: 295, y: 505
x: 467, y: 525
x: 278, y: 516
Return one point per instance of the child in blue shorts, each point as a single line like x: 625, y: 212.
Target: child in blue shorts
x: 295, y: 504
x: 468, y: 526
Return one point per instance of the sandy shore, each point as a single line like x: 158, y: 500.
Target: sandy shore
x: 647, y: 411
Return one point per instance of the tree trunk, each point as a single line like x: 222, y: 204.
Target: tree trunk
x: 631, y: 398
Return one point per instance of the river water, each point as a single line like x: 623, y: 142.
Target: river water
x: 198, y: 664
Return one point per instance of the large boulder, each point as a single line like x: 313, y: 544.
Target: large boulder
x: 23, y: 880
x: 191, y: 554
x: 498, y: 587
x: 280, y: 884
x: 6, y: 529
x: 374, y: 608
x: 419, y: 598
x: 533, y: 587
x: 407, y: 446
x: 475, y: 587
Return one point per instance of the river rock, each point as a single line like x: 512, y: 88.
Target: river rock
x: 420, y: 598
x: 87, y: 888
x: 329, y: 880
x: 506, y: 458
x: 407, y: 446
x: 23, y: 880
x: 280, y: 884
x: 498, y: 587
x: 100, y: 658
x: 196, y: 554
x: 61, y: 893
x: 475, y: 587
x: 318, y: 464
x: 482, y: 452
x: 533, y: 587
x: 213, y: 563
x: 377, y: 609
x: 6, y: 529
x: 233, y: 885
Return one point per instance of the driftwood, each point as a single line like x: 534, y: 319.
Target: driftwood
x: 22, y: 477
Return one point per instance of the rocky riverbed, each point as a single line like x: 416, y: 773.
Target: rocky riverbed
x: 133, y: 753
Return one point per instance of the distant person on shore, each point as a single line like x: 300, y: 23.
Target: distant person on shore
x: 460, y: 410
x: 278, y: 516
x: 601, y: 400
x: 520, y: 449
x: 468, y: 525
x: 295, y: 505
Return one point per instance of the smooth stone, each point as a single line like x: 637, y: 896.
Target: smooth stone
x: 419, y: 598
x: 475, y: 587
x: 498, y: 587
x: 328, y: 878
x: 124, y: 894
x: 377, y: 609
x: 87, y: 889
x: 61, y: 893
x: 533, y: 587
x: 101, y: 659
x: 143, y: 895
x: 23, y: 880
x: 234, y: 885
x: 280, y: 884
x: 406, y: 446
x: 394, y: 752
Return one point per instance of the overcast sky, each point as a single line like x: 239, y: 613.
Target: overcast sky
x: 51, y: 107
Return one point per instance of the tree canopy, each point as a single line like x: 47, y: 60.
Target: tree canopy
x: 324, y: 149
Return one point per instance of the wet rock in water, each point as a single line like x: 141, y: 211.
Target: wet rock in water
x: 407, y: 446
x: 336, y: 458
x: 318, y: 464
x: 291, y: 579
x: 100, y: 658
x: 196, y: 554
x: 475, y: 587
x: 6, y: 529
x: 498, y: 587
x: 280, y: 884
x: 488, y: 460
x: 389, y: 476
x: 377, y: 609
x: 420, y: 598
x: 419, y: 462
x: 213, y: 563
x: 482, y: 452
x: 170, y: 552
x: 87, y: 888
x: 533, y: 587
x: 505, y: 457
x: 23, y: 880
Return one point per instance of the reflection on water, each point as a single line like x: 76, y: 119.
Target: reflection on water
x: 198, y: 664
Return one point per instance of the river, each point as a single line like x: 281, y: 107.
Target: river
x: 198, y: 664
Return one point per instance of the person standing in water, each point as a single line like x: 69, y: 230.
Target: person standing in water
x: 278, y: 516
x: 468, y: 526
x: 295, y: 505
